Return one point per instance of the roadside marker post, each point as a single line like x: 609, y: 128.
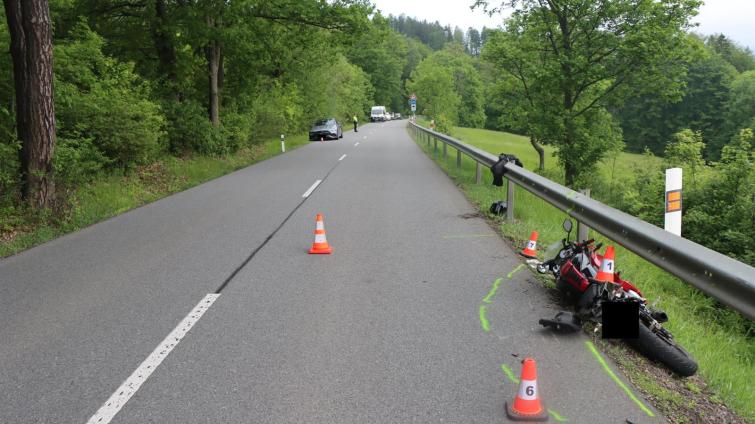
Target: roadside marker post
x: 673, y: 215
x: 283, y: 143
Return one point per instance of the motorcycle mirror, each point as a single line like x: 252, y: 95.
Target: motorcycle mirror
x: 567, y: 225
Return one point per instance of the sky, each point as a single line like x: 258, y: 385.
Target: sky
x: 734, y: 18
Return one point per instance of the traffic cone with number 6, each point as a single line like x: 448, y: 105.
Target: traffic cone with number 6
x: 606, y: 266
x: 527, y: 405
x: 529, y: 250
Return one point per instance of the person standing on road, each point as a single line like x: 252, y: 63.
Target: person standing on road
x: 355, y: 123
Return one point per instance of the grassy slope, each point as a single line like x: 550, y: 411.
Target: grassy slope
x: 726, y: 357
x: 115, y: 194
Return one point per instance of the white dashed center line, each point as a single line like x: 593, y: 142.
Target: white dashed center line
x: 341, y: 158
x: 356, y: 144
x: 146, y: 368
x: 311, y: 189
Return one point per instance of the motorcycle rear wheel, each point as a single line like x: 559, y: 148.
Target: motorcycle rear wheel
x: 656, y: 346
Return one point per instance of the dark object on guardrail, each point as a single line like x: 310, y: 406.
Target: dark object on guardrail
x: 499, y: 207
x: 723, y: 278
x: 499, y: 168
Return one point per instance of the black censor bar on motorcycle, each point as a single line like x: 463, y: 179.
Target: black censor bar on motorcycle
x: 620, y: 320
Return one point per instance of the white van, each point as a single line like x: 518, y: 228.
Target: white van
x: 377, y: 114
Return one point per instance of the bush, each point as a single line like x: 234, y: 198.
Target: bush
x: 76, y: 161
x: 236, y: 130
x: 189, y: 130
x: 723, y: 218
x: 8, y: 171
x: 103, y: 103
x: 278, y: 112
x: 443, y: 124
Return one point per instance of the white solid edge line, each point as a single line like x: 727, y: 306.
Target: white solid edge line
x: 341, y: 158
x: 311, y: 189
x: 129, y: 387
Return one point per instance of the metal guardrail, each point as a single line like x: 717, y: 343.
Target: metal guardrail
x: 730, y: 281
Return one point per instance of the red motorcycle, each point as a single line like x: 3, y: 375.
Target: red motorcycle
x: 574, y: 269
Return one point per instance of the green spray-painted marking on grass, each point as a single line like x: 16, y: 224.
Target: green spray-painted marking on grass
x: 616, y: 379
x: 484, y: 321
x: 511, y: 274
x: 510, y: 374
x: 492, y: 291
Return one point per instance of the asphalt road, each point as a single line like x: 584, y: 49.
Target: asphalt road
x: 387, y: 329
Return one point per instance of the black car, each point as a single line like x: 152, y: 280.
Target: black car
x: 326, y: 129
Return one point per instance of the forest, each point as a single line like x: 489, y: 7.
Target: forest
x: 96, y: 89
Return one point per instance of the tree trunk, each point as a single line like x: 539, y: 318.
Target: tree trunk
x: 41, y: 117
x: 31, y: 49
x: 18, y: 54
x: 540, y: 152
x: 213, y: 66
x: 221, y: 74
x: 166, y: 52
x: 570, y: 173
x: 213, y: 63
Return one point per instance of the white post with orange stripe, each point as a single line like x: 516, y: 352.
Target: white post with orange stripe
x: 673, y: 216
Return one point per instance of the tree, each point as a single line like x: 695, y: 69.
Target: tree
x: 590, y: 55
x: 739, y: 57
x: 724, y: 218
x: 467, y: 84
x: 740, y: 108
x: 459, y: 36
x: 436, y: 96
x: 686, y: 150
x: 382, y: 54
x: 31, y: 49
x: 474, y: 41
x: 649, y: 120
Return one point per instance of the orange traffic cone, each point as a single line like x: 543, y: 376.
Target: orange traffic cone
x: 527, y: 405
x: 320, y: 246
x: 606, y: 266
x: 529, y: 250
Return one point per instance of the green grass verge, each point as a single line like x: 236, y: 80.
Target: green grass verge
x: 725, y: 353
x: 115, y: 194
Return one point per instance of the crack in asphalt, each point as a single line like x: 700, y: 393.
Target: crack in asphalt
x: 270, y: 237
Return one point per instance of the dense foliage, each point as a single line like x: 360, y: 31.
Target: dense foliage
x: 137, y: 81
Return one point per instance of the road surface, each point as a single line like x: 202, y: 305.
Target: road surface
x: 400, y: 324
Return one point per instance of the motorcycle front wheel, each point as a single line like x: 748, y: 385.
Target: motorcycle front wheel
x: 662, y: 349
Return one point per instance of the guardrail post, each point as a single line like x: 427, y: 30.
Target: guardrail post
x: 478, y: 173
x: 458, y: 159
x: 427, y: 139
x: 509, y: 201
x: 582, y: 229
x: 445, y: 151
